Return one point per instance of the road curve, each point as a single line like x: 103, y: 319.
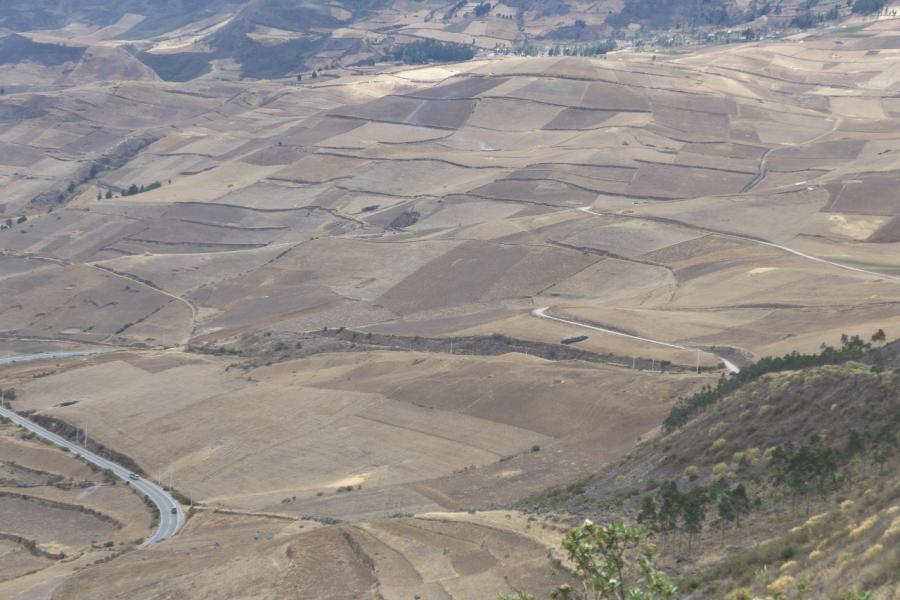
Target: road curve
x: 589, y: 210
x: 542, y: 312
x: 169, y: 524
x: 763, y: 161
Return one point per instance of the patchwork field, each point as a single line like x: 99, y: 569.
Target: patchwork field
x: 438, y: 194
x: 290, y: 437
x: 345, y: 299
x: 439, y: 555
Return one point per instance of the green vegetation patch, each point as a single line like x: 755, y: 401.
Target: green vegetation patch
x: 424, y: 51
x: 852, y: 348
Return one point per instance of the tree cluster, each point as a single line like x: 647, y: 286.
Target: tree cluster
x: 801, y: 473
x: 482, y: 9
x: 526, y: 50
x: 424, y: 51
x: 133, y: 189
x: 672, y: 510
x: 868, y: 7
x: 879, y: 444
x: 809, y: 19
x: 594, y: 49
x: 453, y: 10
x: 816, y: 469
x: 812, y: 467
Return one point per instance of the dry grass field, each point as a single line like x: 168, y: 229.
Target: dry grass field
x: 433, y: 556
x: 734, y: 202
x: 417, y: 200
x: 399, y: 428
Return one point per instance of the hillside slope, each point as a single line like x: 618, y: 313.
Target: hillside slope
x: 274, y: 38
x: 790, y: 485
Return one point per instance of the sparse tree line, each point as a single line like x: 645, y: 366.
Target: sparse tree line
x: 798, y: 473
x: 482, y: 9
x: 134, y: 189
x: 95, y: 170
x: 32, y: 547
x: 592, y: 49
x: 92, y: 173
x: 8, y: 223
x: 808, y: 19
x: 788, y: 472
x: 671, y: 510
x: 852, y: 348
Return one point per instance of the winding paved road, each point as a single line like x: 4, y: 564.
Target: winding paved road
x: 9, y: 360
x: 169, y: 523
x: 542, y: 312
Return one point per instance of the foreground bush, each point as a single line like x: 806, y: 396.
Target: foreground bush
x: 610, y: 562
